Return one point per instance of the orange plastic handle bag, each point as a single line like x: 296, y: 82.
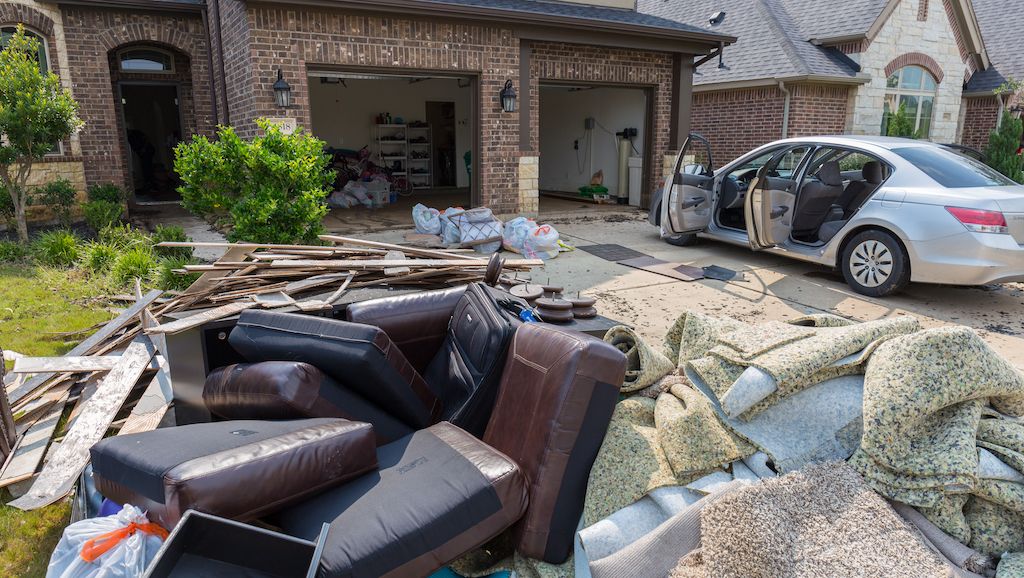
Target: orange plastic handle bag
x: 102, y: 544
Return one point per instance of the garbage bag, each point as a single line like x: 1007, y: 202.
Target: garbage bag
x: 542, y: 242
x: 479, y: 229
x: 359, y: 191
x: 450, y: 234
x: 118, y: 546
x: 513, y: 237
x: 427, y: 220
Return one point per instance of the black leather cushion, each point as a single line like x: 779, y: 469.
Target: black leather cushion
x: 360, y: 357
x: 291, y: 390
x: 466, y: 371
x: 872, y: 172
x: 439, y: 493
x: 235, y: 469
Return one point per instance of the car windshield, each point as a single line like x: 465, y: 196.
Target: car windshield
x: 952, y: 170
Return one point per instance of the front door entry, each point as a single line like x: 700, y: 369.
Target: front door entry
x: 152, y: 122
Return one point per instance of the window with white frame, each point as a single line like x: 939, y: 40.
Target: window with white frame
x: 6, y: 32
x: 145, y: 59
x: 914, y: 88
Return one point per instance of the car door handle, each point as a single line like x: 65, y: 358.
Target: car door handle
x: 693, y: 202
x: 778, y: 212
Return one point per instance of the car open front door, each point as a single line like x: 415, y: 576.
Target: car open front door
x: 692, y: 181
x: 768, y: 208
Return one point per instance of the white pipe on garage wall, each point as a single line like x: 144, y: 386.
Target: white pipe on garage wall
x: 785, y: 110
x: 999, y: 111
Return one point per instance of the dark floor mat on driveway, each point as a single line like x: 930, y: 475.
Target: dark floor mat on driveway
x: 611, y: 252
x: 677, y: 271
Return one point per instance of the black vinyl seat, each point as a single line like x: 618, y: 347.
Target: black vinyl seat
x: 855, y: 195
x: 816, y: 198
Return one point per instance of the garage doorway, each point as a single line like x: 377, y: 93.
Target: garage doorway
x: 416, y: 132
x: 152, y: 123
x: 591, y: 133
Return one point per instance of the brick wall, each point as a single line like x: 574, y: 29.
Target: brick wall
x: 237, y: 63
x: 91, y: 36
x: 736, y: 121
x: 567, y: 62
x: 980, y: 115
x: 816, y: 109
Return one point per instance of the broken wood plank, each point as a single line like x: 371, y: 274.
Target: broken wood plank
x: 390, y: 247
x: 385, y: 263
x: 152, y: 406
x: 204, y: 281
x: 273, y: 300
x: 62, y: 469
x: 87, y: 346
x: 392, y: 271
x: 32, y: 445
x: 66, y: 364
x: 200, y: 318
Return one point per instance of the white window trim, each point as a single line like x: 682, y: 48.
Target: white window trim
x: 898, y: 92
x: 170, y: 58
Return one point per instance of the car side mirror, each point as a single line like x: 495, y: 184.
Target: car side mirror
x: 695, y: 169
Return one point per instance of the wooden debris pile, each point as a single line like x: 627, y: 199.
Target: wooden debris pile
x: 118, y: 380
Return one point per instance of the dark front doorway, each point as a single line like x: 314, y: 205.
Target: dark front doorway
x: 152, y: 121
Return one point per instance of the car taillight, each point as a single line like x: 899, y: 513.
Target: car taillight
x: 980, y: 221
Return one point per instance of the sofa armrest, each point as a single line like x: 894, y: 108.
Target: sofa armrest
x: 416, y: 323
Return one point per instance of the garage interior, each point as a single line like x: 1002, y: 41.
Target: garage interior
x: 415, y: 131
x: 585, y: 129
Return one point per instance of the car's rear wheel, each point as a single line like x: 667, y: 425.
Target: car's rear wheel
x: 875, y: 264
x: 683, y: 240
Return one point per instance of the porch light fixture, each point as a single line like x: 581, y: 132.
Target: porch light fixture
x: 282, y: 91
x: 508, y: 97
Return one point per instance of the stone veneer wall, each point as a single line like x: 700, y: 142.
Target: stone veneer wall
x: 902, y: 35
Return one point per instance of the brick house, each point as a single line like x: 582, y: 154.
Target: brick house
x: 149, y: 73
x: 804, y: 67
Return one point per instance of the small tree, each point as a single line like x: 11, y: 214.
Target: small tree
x: 35, y: 114
x: 1003, y: 144
x: 900, y: 123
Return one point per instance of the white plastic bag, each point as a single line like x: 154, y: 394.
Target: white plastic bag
x: 513, y: 237
x: 449, y: 229
x: 542, y: 242
x: 132, y: 540
x: 427, y: 220
x: 479, y: 229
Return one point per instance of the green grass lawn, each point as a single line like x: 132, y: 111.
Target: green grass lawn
x: 36, y: 302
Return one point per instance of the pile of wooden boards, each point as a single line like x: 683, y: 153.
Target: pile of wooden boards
x: 117, y: 379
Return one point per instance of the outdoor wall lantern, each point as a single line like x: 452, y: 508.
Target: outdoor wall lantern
x: 508, y: 97
x: 282, y: 91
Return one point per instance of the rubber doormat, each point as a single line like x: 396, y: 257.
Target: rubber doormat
x: 722, y: 274
x: 654, y: 265
x: 611, y: 252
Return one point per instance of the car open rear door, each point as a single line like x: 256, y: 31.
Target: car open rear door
x: 692, y: 182
x: 768, y: 208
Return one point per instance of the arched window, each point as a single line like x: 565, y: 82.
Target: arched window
x: 914, y: 88
x: 145, y: 60
x: 6, y: 32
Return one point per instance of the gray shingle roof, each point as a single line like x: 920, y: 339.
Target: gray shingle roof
x: 771, y: 42
x: 817, y: 19
x: 1001, y: 22
x: 581, y: 12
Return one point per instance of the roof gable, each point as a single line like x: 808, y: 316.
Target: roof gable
x: 1001, y: 23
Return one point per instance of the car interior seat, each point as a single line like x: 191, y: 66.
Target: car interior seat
x: 816, y: 197
x: 855, y: 195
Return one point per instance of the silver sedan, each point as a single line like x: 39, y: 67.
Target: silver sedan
x: 884, y: 211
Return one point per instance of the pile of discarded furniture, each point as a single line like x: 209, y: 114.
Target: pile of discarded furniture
x: 119, y: 377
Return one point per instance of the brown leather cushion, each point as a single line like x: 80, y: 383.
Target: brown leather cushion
x: 291, y: 390
x: 439, y: 494
x: 555, y: 400
x: 235, y: 469
x: 360, y: 357
x: 417, y: 322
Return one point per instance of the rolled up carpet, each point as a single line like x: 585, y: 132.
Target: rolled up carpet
x: 646, y: 364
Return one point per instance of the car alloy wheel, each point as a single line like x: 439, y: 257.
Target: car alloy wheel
x: 871, y: 263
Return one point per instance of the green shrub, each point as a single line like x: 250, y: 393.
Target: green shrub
x: 900, y: 123
x: 57, y: 248
x: 7, y: 208
x: 108, y: 192
x: 1003, y: 143
x: 125, y: 237
x: 13, y: 252
x: 167, y: 279
x: 270, y: 189
x: 99, y: 257
x: 136, y: 262
x: 102, y: 214
x: 59, y: 195
x: 171, y: 233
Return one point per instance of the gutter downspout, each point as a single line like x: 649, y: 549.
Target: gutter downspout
x: 209, y: 63
x: 785, y: 109
x: 999, y: 111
